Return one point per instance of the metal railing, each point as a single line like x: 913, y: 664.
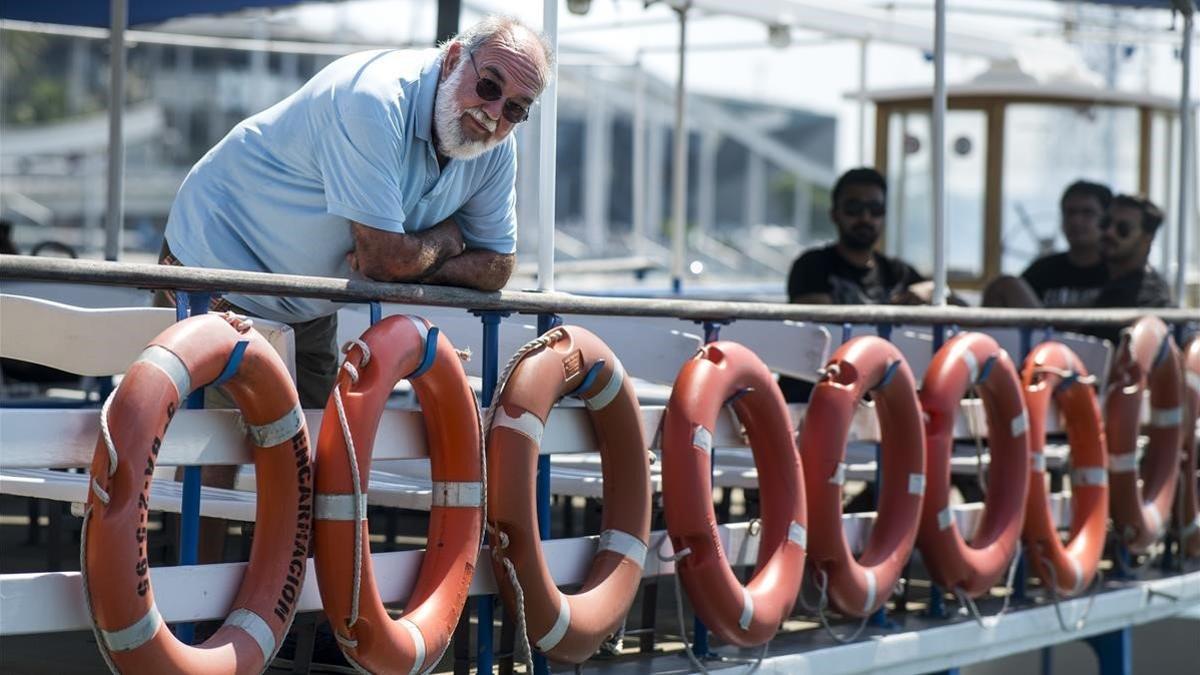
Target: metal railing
x: 355, y: 291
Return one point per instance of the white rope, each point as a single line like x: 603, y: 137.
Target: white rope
x: 673, y: 558
x: 87, y: 595
x: 362, y: 346
x: 968, y: 603
x: 104, y: 430
x: 1097, y: 582
x: 352, y: 458
x: 106, y: 433
x: 524, y: 651
x: 543, y: 341
x: 823, y: 603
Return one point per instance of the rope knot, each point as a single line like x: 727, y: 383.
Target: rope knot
x: 240, y: 323
x: 362, y: 347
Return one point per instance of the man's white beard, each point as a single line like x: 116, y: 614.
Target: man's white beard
x: 447, y: 121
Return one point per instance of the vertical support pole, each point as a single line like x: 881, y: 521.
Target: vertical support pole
x: 115, y: 218
x: 491, y: 365
x: 880, y: 618
x: 679, y: 185
x: 1187, y: 155
x: 862, y: 103
x: 937, y: 607
x: 1021, y: 578
x: 847, y: 331
x: 1114, y: 651
x: 639, y: 158
x: 700, y: 646
x: 545, y: 322
x: 548, y: 144
x: 938, y: 153
x: 194, y: 304
x: 376, y: 312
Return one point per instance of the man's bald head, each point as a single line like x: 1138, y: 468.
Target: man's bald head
x: 508, y: 35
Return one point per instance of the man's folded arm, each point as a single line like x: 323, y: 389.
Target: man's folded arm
x: 393, y: 256
x: 476, y: 268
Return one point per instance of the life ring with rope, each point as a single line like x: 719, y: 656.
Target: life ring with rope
x: 1141, y: 492
x: 218, y: 350
x: 1053, y: 372
x: 727, y: 373
x: 566, y: 361
x: 1188, y: 511
x: 973, y: 361
x: 863, y: 366
x: 398, y: 347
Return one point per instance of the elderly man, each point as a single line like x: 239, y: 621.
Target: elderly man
x: 396, y: 165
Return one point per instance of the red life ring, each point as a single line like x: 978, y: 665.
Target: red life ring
x: 398, y: 347
x: 129, y: 629
x: 1141, y: 496
x: 1053, y: 372
x: 953, y: 563
x: 722, y: 372
x: 567, y: 361
x: 1188, y: 514
x: 864, y: 365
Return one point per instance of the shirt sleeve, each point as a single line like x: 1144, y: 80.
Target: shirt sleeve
x: 488, y: 219
x: 809, y: 275
x: 359, y: 156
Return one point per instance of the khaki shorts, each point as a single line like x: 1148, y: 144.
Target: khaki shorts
x: 316, y: 348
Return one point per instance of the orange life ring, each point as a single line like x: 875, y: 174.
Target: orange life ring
x: 953, y: 563
x: 1053, y: 372
x: 1188, y: 514
x: 129, y: 629
x: 1146, y: 357
x: 398, y: 347
x: 742, y: 615
x: 864, y: 365
x: 564, y: 361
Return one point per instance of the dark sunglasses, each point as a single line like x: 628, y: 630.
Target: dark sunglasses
x: 855, y: 208
x: 489, y: 90
x: 1123, y: 228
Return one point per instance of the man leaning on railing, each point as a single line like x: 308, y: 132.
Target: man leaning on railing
x: 393, y: 165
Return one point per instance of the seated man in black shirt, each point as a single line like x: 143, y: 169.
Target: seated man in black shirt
x: 851, y: 271
x: 1069, y: 279
x: 1126, y: 235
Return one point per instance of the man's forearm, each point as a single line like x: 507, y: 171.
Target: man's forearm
x: 475, y: 268
x: 386, y: 256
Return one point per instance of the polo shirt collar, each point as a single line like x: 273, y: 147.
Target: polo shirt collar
x: 426, y: 92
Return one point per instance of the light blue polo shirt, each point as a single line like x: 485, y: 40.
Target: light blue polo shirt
x: 354, y: 143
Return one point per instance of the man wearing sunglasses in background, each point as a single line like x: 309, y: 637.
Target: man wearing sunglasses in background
x: 1126, y: 234
x: 850, y: 271
x: 1072, y: 278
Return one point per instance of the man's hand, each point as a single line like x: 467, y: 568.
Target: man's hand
x: 389, y: 256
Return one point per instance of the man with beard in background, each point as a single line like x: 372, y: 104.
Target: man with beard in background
x: 394, y: 165
x: 850, y: 271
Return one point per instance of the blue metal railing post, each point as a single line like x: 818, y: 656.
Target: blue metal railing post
x: 491, y: 367
x: 193, y: 304
x: 1021, y: 578
x: 847, y: 332
x: 1114, y: 651
x: 700, y: 646
x: 937, y: 607
x: 879, y: 618
x: 545, y: 322
x: 376, y: 309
